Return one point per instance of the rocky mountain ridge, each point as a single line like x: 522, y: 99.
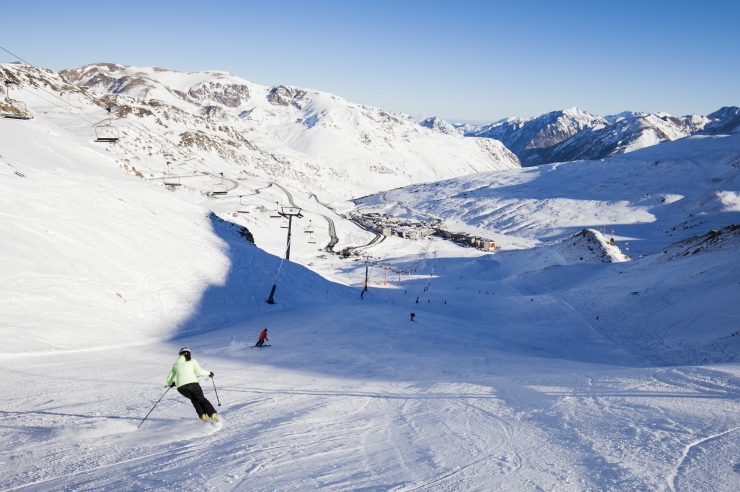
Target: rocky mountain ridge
x: 572, y: 134
x: 305, y: 139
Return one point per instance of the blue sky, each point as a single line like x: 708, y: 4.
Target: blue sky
x: 472, y: 60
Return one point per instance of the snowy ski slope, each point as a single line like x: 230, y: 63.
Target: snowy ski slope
x: 527, y: 369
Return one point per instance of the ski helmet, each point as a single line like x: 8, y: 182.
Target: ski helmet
x: 184, y: 351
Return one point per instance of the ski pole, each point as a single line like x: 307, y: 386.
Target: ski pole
x: 150, y: 411
x: 214, y: 389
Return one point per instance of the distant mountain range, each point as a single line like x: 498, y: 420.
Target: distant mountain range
x: 318, y: 142
x: 572, y: 134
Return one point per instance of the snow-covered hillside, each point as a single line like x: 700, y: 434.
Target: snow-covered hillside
x: 310, y: 140
x: 572, y: 134
x: 102, y: 258
x: 652, y: 197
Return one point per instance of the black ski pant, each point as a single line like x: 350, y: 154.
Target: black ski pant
x: 259, y: 344
x: 194, y: 393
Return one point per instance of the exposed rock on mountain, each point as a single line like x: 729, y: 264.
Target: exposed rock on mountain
x: 440, y: 126
x: 573, y: 134
x: 725, y: 238
x: 590, y: 246
x: 319, y: 141
x: 285, y: 96
x: 530, y: 138
x: 622, y: 133
x: 231, y: 96
x: 725, y: 121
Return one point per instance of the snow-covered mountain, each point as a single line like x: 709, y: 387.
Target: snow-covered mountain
x: 530, y: 138
x: 572, y: 134
x: 725, y: 121
x: 310, y: 140
x: 440, y: 126
x: 652, y: 197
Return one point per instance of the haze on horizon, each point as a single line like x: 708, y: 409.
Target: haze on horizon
x: 481, y: 61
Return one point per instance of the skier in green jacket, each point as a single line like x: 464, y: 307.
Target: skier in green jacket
x: 184, y: 372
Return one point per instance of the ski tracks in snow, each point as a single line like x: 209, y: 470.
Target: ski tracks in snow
x: 693, y: 446
x: 479, y: 451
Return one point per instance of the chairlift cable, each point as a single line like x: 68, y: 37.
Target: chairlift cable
x: 21, y: 59
x: 54, y: 95
x: 81, y: 91
x: 67, y: 102
x: 61, y: 107
x: 65, y: 109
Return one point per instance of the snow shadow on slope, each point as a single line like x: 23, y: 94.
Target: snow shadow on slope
x: 245, y: 290
x: 460, y: 331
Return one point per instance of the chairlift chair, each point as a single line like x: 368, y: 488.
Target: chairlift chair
x: 171, y: 179
x: 220, y: 188
x: 242, y: 208
x: 275, y: 214
x: 308, y: 229
x: 284, y: 223
x: 311, y: 239
x: 106, y: 132
x: 21, y: 111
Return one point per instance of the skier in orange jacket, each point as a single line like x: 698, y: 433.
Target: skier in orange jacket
x: 263, y: 337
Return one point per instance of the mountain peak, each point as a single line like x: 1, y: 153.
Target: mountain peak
x: 439, y: 125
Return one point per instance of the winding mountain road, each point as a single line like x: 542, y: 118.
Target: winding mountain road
x: 379, y: 238
x: 334, y: 239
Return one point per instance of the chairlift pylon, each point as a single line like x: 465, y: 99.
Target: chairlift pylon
x: 17, y: 109
x: 171, y: 179
x: 220, y: 188
x: 106, y: 132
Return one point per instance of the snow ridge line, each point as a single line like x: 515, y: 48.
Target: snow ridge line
x: 673, y: 476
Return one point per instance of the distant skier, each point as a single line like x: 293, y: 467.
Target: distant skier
x: 185, y: 372
x: 412, y: 316
x: 263, y: 337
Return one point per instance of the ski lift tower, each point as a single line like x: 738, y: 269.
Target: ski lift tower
x: 387, y: 267
x: 289, y: 213
x: 367, y: 259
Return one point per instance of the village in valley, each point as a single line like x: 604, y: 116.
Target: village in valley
x: 406, y: 228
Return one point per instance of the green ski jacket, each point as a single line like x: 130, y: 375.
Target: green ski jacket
x: 185, y: 372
